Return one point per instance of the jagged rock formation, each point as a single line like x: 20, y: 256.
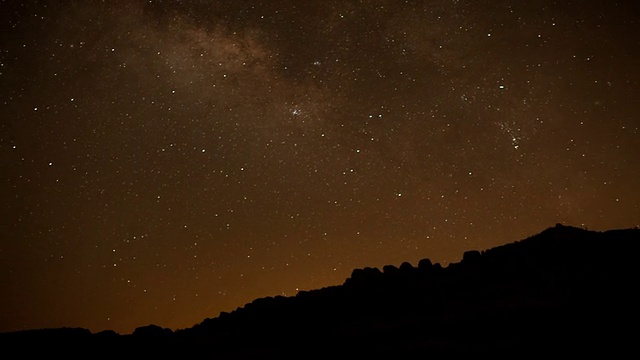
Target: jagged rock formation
x: 563, y: 290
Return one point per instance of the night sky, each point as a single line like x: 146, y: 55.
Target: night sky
x: 163, y: 161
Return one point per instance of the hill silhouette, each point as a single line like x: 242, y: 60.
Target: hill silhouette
x: 564, y: 291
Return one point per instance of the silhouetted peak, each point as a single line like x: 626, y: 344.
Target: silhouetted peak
x: 152, y: 331
x: 390, y: 270
x: 364, y: 276
x: 560, y: 230
x: 425, y: 265
x: 471, y: 256
x: 406, y: 267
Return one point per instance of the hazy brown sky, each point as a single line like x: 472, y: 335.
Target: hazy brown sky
x: 163, y: 161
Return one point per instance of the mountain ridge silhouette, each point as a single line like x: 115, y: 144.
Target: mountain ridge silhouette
x: 565, y: 289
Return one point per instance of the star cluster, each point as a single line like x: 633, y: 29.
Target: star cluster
x: 163, y: 161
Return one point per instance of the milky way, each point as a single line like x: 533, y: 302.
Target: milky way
x: 167, y: 160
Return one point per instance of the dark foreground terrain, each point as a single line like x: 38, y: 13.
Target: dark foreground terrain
x: 564, y: 292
